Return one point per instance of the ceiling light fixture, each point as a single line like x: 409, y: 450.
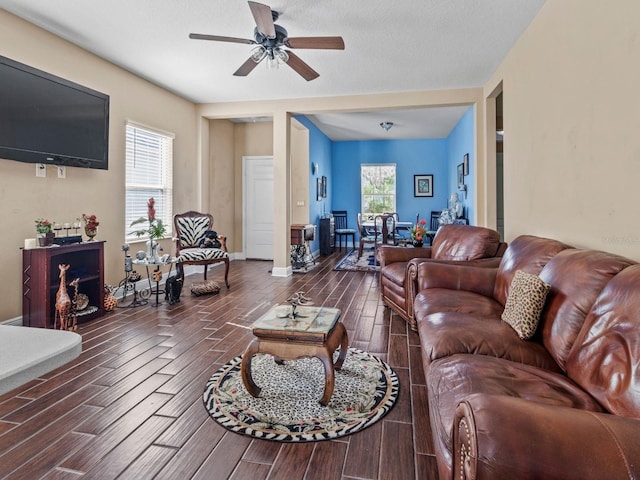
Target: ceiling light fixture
x: 386, y: 126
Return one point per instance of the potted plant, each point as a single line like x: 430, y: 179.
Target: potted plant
x: 44, y: 232
x: 155, y: 230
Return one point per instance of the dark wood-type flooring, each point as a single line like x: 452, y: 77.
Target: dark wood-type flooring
x: 130, y: 406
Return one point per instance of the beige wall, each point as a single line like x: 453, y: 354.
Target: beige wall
x: 571, y: 116
x: 23, y: 197
x: 299, y: 173
x: 250, y: 139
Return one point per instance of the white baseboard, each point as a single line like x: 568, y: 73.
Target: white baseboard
x: 17, y: 321
x: 281, y: 272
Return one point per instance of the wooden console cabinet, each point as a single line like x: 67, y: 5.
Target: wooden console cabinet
x: 41, y: 280
x: 327, y: 236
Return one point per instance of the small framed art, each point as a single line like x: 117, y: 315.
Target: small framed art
x: 423, y: 185
x: 465, y: 164
x: 460, y: 176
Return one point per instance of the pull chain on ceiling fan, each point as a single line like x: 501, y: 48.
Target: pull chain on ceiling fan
x: 271, y: 40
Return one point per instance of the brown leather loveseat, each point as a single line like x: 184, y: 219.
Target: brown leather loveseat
x: 564, y: 404
x: 452, y: 243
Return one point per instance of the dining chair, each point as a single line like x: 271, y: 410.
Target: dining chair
x: 434, y: 224
x: 402, y: 234
x: 365, y: 235
x: 385, y: 232
x: 342, y: 228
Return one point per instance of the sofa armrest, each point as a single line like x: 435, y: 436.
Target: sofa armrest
x: 506, y: 437
x: 452, y: 275
x: 390, y: 254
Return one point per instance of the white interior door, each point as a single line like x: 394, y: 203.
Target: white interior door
x: 258, y: 207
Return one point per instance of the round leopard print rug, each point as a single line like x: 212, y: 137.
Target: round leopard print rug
x: 288, y: 409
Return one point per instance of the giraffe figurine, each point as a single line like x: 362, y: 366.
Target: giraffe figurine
x: 63, y: 302
x: 72, y: 323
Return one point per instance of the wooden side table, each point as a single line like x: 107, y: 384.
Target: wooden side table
x: 315, y: 333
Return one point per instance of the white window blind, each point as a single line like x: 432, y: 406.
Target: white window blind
x: 378, y: 188
x: 149, y: 160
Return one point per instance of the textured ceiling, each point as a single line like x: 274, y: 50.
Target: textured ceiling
x: 404, y: 45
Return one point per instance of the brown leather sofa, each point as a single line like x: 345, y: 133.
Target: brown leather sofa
x: 563, y: 405
x: 453, y: 243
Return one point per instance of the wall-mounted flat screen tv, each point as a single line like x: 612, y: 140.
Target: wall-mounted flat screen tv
x: 47, y: 119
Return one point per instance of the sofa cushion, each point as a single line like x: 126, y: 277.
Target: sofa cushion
x: 576, y: 277
x: 527, y: 253
x: 437, y: 300
x: 524, y: 303
x: 464, y: 242
x: 446, y: 334
x: 452, y: 379
x: 605, y: 359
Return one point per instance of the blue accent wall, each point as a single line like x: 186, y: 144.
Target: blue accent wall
x: 462, y: 141
x: 320, y: 153
x: 412, y: 157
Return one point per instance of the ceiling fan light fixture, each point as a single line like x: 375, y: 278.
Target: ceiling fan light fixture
x: 258, y: 54
x: 275, y: 57
x: 386, y: 126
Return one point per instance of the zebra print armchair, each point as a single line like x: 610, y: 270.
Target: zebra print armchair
x: 190, y: 228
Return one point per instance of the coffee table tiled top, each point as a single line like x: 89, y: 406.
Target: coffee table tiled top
x: 313, y: 332
x: 308, y: 319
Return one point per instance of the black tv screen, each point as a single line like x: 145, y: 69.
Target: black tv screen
x: 47, y: 119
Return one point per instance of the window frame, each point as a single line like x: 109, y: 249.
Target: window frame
x: 161, y: 190
x: 393, y: 195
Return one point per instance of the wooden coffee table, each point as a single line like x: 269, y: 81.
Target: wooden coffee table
x: 314, y: 332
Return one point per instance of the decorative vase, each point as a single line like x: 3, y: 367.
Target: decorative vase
x: 152, y: 251
x: 45, y: 239
x: 149, y: 253
x: 110, y: 301
x: 417, y: 243
x: 90, y: 232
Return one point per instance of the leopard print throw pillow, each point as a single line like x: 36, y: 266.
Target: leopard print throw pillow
x: 524, y: 303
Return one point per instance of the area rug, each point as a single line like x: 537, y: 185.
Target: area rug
x: 365, y: 263
x: 288, y: 409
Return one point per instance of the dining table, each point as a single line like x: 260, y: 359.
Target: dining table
x: 400, y: 226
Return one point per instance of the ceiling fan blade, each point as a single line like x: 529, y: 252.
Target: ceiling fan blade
x: 218, y: 38
x: 246, y: 68
x: 335, y: 43
x: 301, y: 67
x: 264, y: 19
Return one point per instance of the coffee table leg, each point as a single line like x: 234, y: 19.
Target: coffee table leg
x: 245, y: 369
x: 344, y: 346
x: 329, y: 378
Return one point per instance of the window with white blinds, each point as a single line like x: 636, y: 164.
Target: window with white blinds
x: 149, y: 174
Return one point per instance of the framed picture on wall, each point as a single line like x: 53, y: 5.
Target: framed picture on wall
x: 460, y: 176
x: 465, y: 165
x: 423, y: 185
x: 324, y: 187
x: 319, y: 189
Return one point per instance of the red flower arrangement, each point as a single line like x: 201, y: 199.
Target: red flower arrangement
x: 90, y: 221
x: 419, y: 231
x: 156, y: 229
x: 43, y: 226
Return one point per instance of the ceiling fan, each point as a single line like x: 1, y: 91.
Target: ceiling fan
x: 272, y: 39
